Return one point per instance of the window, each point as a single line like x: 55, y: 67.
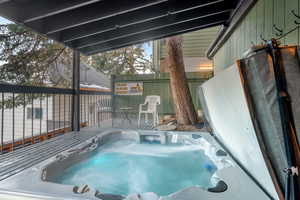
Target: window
x: 29, y: 113
x: 36, y: 113
x: 163, y: 42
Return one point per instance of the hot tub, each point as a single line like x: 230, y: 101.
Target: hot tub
x: 136, y: 165
x: 121, y: 163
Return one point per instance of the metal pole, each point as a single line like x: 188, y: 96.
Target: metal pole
x: 113, y: 77
x: 47, y: 116
x: 2, y: 122
x: 13, y: 121
x: 64, y: 112
x: 41, y: 115
x: 59, y: 109
x: 32, y: 110
x: 24, y: 105
x: 76, y: 95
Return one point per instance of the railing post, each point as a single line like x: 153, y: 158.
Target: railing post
x: 112, y: 78
x: 76, y: 95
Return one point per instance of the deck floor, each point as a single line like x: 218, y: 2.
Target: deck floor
x: 14, y: 162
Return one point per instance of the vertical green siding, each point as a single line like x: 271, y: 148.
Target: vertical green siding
x: 259, y: 21
x: 289, y: 21
x: 195, y: 43
x: 158, y: 85
x: 269, y: 19
x: 162, y: 89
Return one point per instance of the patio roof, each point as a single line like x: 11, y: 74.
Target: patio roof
x: 93, y: 26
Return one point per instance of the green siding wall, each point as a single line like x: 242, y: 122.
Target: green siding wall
x: 194, y: 44
x: 158, y: 85
x: 259, y: 21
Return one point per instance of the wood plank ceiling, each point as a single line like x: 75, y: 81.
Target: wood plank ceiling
x: 93, y: 26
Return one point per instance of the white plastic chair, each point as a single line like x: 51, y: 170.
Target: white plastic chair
x: 151, y: 102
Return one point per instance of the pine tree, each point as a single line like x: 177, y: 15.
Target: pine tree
x: 128, y: 60
x: 27, y: 57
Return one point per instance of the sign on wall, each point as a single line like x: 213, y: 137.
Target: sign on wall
x: 131, y: 88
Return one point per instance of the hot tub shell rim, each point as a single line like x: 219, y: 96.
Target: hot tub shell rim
x: 82, y: 150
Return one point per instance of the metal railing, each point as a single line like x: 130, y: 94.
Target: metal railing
x: 31, y: 114
x: 96, y: 108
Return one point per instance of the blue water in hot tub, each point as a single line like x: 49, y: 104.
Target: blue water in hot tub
x: 125, y: 167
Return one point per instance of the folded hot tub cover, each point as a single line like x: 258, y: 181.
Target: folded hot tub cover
x: 260, y: 88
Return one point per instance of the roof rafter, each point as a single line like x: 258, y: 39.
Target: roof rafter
x: 39, y: 9
x: 154, y: 38
x: 127, y: 19
x: 144, y: 27
x: 92, y: 26
x: 88, y: 13
x: 159, y: 33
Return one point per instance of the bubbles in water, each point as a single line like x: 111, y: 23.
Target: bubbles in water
x: 125, y: 167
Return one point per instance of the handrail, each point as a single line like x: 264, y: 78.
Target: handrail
x: 88, y: 92
x: 10, y: 88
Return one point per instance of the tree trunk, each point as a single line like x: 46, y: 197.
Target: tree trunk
x: 184, y: 108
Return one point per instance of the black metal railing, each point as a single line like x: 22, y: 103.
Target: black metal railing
x: 96, y: 108
x: 32, y: 114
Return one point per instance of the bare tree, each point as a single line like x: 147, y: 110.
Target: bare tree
x: 184, y: 108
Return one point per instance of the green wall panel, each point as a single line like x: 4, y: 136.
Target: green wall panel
x: 161, y: 89
x: 269, y: 20
x: 157, y: 85
x: 259, y: 21
x: 195, y: 43
x: 253, y: 26
x: 247, y: 35
x: 279, y: 16
x: 289, y: 22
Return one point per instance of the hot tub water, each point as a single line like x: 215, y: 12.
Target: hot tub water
x: 125, y: 167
